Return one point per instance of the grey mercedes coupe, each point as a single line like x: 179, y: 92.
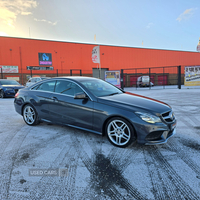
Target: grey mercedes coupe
x: 97, y: 106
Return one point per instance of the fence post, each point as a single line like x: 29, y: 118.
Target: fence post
x: 149, y: 78
x: 1, y: 73
x: 122, y: 79
x: 80, y: 72
x: 179, y: 77
x: 70, y: 72
x: 163, y: 77
x: 136, y: 78
x: 20, y: 54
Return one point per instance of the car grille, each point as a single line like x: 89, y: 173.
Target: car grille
x: 168, y: 117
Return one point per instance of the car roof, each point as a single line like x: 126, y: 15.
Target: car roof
x: 76, y: 78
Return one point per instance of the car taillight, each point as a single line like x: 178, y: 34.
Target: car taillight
x: 16, y: 94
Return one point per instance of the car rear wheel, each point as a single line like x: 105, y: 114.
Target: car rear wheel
x: 120, y: 132
x: 1, y: 94
x: 30, y: 115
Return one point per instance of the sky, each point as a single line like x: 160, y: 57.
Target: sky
x: 156, y: 24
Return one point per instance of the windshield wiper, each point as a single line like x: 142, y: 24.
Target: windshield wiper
x: 113, y: 93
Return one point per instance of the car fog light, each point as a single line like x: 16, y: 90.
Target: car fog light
x: 165, y: 133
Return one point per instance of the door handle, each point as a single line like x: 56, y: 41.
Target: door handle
x: 54, y: 99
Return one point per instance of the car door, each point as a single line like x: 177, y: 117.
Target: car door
x: 40, y: 97
x: 69, y: 111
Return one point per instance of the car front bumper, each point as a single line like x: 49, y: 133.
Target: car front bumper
x: 163, y: 138
x: 10, y: 93
x: 151, y: 134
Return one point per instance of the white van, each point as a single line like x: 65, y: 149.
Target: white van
x: 143, y: 81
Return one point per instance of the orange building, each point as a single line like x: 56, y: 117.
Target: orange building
x: 68, y: 56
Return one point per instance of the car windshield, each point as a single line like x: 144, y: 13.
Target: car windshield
x: 100, y: 88
x: 9, y: 82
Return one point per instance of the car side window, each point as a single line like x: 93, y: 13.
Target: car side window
x: 67, y: 87
x: 47, y: 86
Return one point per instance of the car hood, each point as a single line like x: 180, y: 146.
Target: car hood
x: 13, y: 86
x: 135, y: 102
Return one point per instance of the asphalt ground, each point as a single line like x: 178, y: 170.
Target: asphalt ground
x: 55, y: 162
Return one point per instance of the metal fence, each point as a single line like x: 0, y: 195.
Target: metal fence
x: 159, y: 76
x: 23, y: 76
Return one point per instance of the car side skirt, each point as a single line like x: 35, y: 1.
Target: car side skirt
x: 69, y: 125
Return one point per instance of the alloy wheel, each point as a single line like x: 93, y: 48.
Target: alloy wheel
x: 119, y: 132
x: 29, y: 115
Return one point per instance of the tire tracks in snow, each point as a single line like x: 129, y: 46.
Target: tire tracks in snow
x: 50, y: 187
x: 6, y: 176
x: 173, y: 185
x: 104, y: 175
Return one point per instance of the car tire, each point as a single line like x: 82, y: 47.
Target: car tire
x: 2, y: 95
x: 30, y: 115
x: 120, y: 132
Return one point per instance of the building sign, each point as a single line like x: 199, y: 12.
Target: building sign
x: 96, y: 54
x: 39, y: 68
x: 113, y: 77
x: 192, y: 76
x: 9, y: 69
x: 198, y: 47
x: 45, y: 58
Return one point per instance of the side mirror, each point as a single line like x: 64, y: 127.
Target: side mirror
x: 81, y: 95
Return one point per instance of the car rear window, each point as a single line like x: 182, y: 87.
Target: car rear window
x: 46, y: 86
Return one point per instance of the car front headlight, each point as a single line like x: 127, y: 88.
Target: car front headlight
x: 148, y: 117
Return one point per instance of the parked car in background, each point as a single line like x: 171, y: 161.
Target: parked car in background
x: 144, y: 81
x: 97, y: 106
x: 8, y: 88
x: 34, y: 80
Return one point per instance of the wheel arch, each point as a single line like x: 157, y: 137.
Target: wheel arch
x: 36, y: 118
x: 113, y: 116
x: 27, y: 103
